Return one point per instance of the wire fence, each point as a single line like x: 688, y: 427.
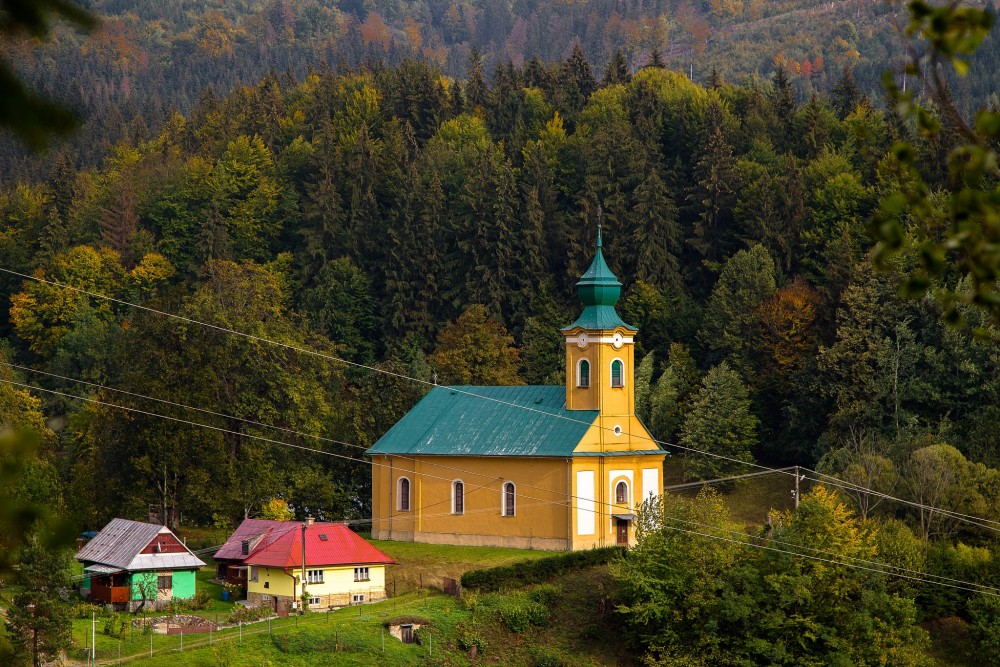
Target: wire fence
x: 345, y: 625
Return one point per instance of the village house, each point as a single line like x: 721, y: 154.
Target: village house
x: 341, y: 568
x: 130, y: 564
x: 229, y: 559
x: 536, y: 467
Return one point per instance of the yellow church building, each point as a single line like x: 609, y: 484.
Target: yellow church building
x: 536, y: 467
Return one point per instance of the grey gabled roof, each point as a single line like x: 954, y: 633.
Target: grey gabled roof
x: 120, y: 542
x: 489, y: 421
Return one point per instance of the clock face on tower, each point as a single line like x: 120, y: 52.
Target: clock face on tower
x: 582, y: 341
x: 617, y: 341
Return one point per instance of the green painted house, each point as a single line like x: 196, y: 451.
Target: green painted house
x: 131, y: 565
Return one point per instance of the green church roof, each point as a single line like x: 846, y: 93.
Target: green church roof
x: 489, y: 421
x: 599, y: 290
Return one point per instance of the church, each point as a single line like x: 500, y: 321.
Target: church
x: 535, y: 467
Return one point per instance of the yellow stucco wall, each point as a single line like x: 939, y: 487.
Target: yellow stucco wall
x: 548, y: 503
x: 335, y: 580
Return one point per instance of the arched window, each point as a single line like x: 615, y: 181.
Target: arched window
x: 583, y: 374
x: 508, y: 499
x: 404, y: 495
x: 458, y: 497
x: 617, y: 373
x: 621, y: 492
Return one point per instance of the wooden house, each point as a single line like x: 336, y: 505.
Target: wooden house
x: 543, y: 467
x: 130, y: 564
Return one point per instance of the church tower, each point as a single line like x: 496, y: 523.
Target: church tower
x: 599, y: 355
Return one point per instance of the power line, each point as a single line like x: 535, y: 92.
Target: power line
x: 375, y: 369
x: 412, y: 379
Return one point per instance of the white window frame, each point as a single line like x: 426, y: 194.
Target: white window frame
x: 314, y: 600
x: 399, y: 494
x: 503, y: 499
x: 254, y: 573
x: 361, y: 573
x: 579, y: 373
x: 627, y: 494
x: 314, y: 576
x: 454, y: 497
x: 357, y: 598
x: 611, y: 368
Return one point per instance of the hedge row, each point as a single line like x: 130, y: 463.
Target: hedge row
x: 525, y: 573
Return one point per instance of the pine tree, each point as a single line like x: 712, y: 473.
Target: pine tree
x: 576, y: 79
x: 655, y: 233
x: 655, y: 59
x: 712, y: 197
x: 120, y: 219
x: 477, y: 94
x: 617, y: 70
x: 847, y: 94
x: 324, y: 233
x: 39, y: 616
x: 720, y: 422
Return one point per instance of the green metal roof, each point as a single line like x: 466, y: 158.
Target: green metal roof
x: 489, y: 421
x: 599, y: 290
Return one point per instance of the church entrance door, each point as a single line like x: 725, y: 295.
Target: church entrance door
x: 622, y: 531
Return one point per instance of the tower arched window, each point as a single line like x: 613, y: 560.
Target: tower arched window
x: 617, y: 373
x: 508, y: 499
x: 404, y: 495
x: 458, y: 497
x: 621, y: 493
x: 583, y: 374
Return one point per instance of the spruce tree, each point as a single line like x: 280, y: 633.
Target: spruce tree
x: 655, y: 232
x: 617, y: 70
x: 576, y: 79
x: 477, y: 94
x: 720, y: 422
x: 39, y: 617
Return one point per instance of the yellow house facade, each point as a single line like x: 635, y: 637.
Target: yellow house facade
x: 538, y: 467
x: 340, y: 568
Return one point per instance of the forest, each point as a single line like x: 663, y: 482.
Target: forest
x: 146, y: 61
x: 392, y: 226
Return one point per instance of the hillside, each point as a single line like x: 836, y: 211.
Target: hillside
x: 151, y: 59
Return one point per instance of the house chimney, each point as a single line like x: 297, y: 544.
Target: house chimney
x: 310, y: 520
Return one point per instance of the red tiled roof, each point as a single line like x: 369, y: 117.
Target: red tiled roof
x: 250, y: 529
x: 326, y: 544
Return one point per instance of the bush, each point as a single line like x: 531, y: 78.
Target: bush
x: 115, y: 625
x: 546, y: 657
x: 248, y: 614
x: 519, y: 612
x: 526, y: 573
x: 544, y: 594
x: 467, y: 639
x: 984, y: 623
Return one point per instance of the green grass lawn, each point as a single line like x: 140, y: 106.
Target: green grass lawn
x: 429, y: 564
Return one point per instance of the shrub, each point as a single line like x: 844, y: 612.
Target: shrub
x: 248, y: 614
x: 526, y: 573
x: 544, y: 594
x: 115, y: 625
x: 546, y: 657
x: 518, y: 612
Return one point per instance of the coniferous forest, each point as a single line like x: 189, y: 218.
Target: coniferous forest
x: 394, y: 198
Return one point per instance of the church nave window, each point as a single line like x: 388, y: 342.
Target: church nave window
x: 458, y: 497
x: 617, y: 373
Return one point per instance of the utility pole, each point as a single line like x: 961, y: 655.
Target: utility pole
x: 93, y: 637
x: 796, y: 487
x: 308, y: 521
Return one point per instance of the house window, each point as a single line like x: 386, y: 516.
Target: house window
x: 621, y: 492
x: 267, y: 584
x: 254, y: 572
x: 265, y: 598
x: 245, y: 547
x: 617, y: 373
x: 165, y: 582
x: 583, y: 374
x: 358, y: 597
x: 508, y: 499
x: 361, y: 574
x: 458, y: 497
x: 404, y: 494
x: 314, y: 601
x: 314, y: 576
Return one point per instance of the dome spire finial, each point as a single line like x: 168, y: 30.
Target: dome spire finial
x: 599, y: 244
